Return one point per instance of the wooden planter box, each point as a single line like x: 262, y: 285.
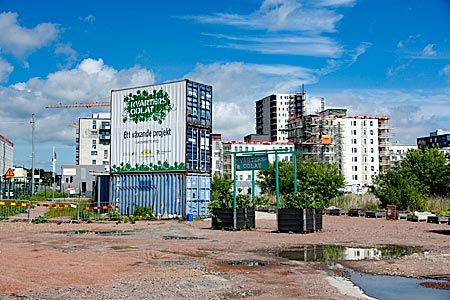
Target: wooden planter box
x: 356, y: 212
x: 223, y: 218
x: 299, y: 220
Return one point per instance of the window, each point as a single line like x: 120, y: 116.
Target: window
x: 105, y: 154
x: 93, y: 152
x: 372, y: 168
x: 241, y: 177
x: 105, y: 163
x: 94, y: 124
x: 94, y: 133
x: 371, y: 132
x: 354, y: 159
x: 354, y: 168
x: 249, y: 177
x: 372, y: 159
x: 94, y: 144
x: 94, y: 162
x: 371, y: 123
x: 371, y: 141
x: 371, y: 150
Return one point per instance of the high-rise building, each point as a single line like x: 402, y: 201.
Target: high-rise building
x: 93, y: 140
x: 273, y: 113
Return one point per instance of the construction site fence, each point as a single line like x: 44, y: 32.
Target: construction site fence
x: 51, y: 211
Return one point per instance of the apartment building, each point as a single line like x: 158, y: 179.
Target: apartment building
x: 6, y: 154
x: 438, y: 138
x: 358, y: 145
x: 93, y: 140
x: 217, y: 152
x: 273, y: 113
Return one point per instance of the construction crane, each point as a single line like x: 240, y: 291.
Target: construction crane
x: 79, y: 105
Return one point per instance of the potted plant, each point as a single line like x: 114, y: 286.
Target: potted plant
x: 301, y: 212
x: 222, y: 210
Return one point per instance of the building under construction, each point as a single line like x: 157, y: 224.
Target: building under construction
x: 357, y: 144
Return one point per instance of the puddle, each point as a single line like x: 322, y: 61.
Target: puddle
x: 174, y: 237
x: 103, y: 233
x: 398, y: 288
x: 376, y: 286
x: 249, y: 263
x: 325, y: 253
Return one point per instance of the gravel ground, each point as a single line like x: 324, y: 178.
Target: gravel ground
x: 187, y: 260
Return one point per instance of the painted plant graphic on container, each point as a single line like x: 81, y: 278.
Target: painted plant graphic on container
x: 147, y: 106
x: 144, y: 106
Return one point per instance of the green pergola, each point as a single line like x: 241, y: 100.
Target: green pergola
x: 258, y: 160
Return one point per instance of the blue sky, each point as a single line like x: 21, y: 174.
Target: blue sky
x: 371, y: 57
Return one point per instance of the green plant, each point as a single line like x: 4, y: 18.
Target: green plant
x: 304, y: 200
x: 39, y: 219
x: 143, y: 213
x: 262, y: 201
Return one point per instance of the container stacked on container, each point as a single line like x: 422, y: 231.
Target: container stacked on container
x: 161, y: 148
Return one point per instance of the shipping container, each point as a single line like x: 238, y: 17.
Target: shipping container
x: 168, y: 194
x: 198, y: 194
x: 152, y: 126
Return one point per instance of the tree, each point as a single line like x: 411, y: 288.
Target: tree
x: 47, y: 179
x: 421, y: 174
x: 317, y: 182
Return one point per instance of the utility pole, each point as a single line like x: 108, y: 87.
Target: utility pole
x: 32, y: 154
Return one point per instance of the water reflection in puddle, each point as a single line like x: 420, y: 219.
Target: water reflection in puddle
x: 397, y: 288
x: 249, y: 263
x: 324, y: 253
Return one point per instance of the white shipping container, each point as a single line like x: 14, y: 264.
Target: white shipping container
x: 148, y: 128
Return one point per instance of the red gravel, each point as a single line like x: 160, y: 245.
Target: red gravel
x: 187, y: 260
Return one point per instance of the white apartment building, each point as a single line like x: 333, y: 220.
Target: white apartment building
x: 217, y: 152
x: 397, y: 152
x: 361, y: 146
x: 6, y: 154
x: 273, y: 113
x: 358, y: 145
x: 244, y: 178
x: 93, y: 140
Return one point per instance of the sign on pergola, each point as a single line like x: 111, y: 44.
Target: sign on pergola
x: 252, y: 163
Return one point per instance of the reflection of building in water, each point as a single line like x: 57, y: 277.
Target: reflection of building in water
x: 361, y: 253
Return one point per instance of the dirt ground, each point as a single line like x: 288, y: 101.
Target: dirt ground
x: 169, y: 259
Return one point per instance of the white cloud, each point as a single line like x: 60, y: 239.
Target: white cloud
x: 90, y: 81
x: 20, y: 41
x: 278, y: 15
x: 336, y: 3
x: 70, y: 56
x: 88, y: 19
x: 236, y: 87
x: 5, y: 70
x: 317, y: 46
x: 445, y: 71
x: 360, y: 50
x: 429, y: 51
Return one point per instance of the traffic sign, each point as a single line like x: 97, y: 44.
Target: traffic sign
x: 9, y: 174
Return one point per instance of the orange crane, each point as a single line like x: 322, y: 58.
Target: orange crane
x: 79, y: 105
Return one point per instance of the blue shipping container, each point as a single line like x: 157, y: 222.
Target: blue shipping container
x: 198, y: 194
x: 168, y: 194
x: 198, y: 149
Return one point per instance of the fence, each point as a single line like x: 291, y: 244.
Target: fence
x: 42, y: 212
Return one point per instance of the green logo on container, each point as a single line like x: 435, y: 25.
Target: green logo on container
x: 145, y: 106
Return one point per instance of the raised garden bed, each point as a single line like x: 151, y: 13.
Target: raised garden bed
x: 223, y: 218
x: 438, y: 219
x: 301, y: 220
x: 356, y: 213
x: 375, y: 214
